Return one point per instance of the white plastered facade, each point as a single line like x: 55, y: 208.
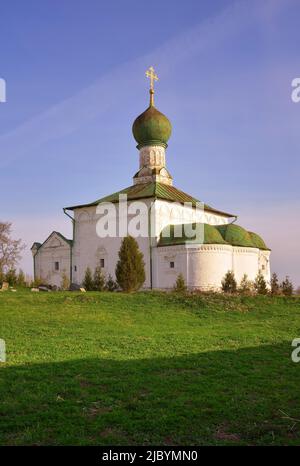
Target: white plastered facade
x: 52, y: 260
x: 203, y: 266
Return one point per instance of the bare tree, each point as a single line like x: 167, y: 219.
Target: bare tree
x: 10, y: 249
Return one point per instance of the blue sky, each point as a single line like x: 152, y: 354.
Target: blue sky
x: 75, y: 83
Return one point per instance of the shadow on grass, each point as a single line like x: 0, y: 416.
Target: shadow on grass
x: 232, y: 397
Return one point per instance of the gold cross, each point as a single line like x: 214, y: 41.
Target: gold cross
x: 152, y: 76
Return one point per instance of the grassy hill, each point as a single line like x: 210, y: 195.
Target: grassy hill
x: 148, y: 368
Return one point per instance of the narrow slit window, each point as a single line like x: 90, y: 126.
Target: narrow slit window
x: 56, y: 266
x: 172, y: 265
x: 101, y: 263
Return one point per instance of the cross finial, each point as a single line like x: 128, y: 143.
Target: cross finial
x: 150, y: 73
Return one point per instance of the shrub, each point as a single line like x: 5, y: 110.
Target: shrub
x: 88, y: 280
x: 65, y: 282
x: 180, y: 286
x: 110, y: 284
x: 260, y: 284
x: 130, y: 269
x: 98, y: 280
x: 21, y: 279
x: 275, y: 288
x: 11, y: 277
x: 287, y: 287
x: 229, y: 284
x: 246, y: 286
x: 37, y: 282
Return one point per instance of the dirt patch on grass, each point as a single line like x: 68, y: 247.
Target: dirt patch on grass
x: 96, y: 409
x: 223, y: 434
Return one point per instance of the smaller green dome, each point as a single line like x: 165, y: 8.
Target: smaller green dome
x: 257, y: 241
x: 231, y: 234
x: 210, y: 235
x: 235, y: 235
x: 151, y: 128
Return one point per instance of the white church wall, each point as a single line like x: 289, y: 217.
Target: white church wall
x: 54, y: 250
x: 203, y: 266
x: 164, y: 276
x: 264, y: 265
x: 89, y: 248
x: 207, y: 265
x: 167, y: 213
x: 245, y: 261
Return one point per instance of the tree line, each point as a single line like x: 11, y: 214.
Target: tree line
x: 258, y: 286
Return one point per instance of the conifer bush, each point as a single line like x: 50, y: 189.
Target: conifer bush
x: 88, y: 280
x: 246, y: 285
x: 180, y: 286
x: 229, y: 284
x: 275, y: 287
x: 260, y: 284
x: 287, y: 287
x: 98, y: 280
x: 130, y: 269
x: 110, y: 284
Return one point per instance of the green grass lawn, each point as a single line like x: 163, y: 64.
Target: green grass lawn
x: 148, y: 368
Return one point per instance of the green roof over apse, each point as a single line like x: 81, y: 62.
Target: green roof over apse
x: 210, y: 235
x: 258, y: 241
x: 153, y: 190
x: 235, y: 235
x: 231, y: 234
x: 238, y: 236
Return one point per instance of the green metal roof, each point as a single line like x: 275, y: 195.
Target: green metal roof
x: 153, y: 190
x: 257, y: 240
x: 209, y: 235
x: 236, y: 235
x: 230, y: 234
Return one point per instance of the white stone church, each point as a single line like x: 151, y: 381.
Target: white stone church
x: 203, y: 261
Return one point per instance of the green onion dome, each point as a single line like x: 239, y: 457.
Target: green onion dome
x: 151, y: 128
